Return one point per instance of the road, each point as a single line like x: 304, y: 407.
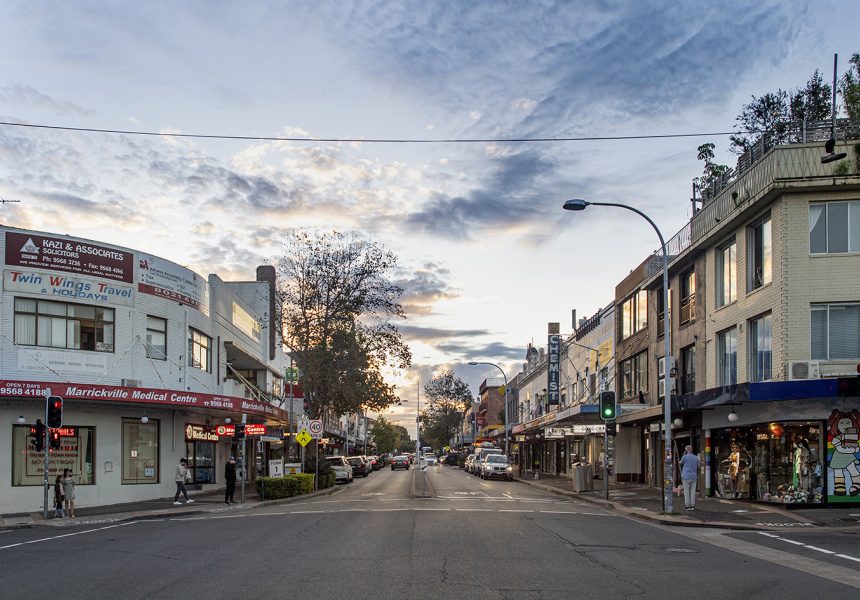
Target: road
x: 471, y: 539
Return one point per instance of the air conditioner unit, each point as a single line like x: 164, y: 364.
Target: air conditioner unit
x: 803, y: 369
x: 131, y: 383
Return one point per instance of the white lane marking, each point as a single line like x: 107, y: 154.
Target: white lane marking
x: 229, y: 517
x: 808, y: 546
x: 190, y: 518
x: 515, y: 511
x: 56, y: 537
x: 306, y: 512
x: 848, y: 557
x: 474, y: 509
x: 598, y: 514
x: 388, y: 509
x: 267, y: 514
x: 431, y: 509
x: 352, y: 510
x: 559, y: 512
x: 816, y: 548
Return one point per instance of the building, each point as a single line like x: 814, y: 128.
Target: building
x: 154, y: 363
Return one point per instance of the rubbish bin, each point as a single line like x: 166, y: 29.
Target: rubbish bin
x: 583, y: 478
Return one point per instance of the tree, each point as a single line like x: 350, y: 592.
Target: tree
x: 849, y: 88
x: 767, y: 115
x: 712, y: 171
x: 335, y: 302
x: 384, y: 436
x: 447, y: 396
x: 812, y: 103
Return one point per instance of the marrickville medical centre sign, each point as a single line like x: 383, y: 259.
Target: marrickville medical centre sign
x: 85, y: 391
x: 63, y: 254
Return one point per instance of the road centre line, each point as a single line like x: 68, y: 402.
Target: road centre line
x: 474, y: 509
x: 515, y: 510
x: 306, y: 512
x: 559, y: 512
x: 431, y: 509
x: 229, y: 516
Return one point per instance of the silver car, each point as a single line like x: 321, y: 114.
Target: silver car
x: 497, y: 465
x: 341, y: 468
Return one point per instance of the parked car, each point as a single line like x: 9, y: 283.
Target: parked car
x: 375, y: 462
x: 497, y: 465
x: 431, y: 460
x: 369, y: 464
x: 400, y: 462
x: 469, y: 461
x: 341, y: 468
x: 359, y: 467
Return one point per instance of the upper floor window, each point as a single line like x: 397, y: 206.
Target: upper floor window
x: 835, y: 331
x: 834, y: 227
x: 761, y: 341
x: 634, y: 375
x: 759, y: 254
x: 727, y: 274
x: 661, y: 313
x: 200, y: 350
x: 156, y: 338
x: 634, y: 314
x: 688, y: 297
x: 62, y: 325
x: 727, y: 357
x: 688, y: 370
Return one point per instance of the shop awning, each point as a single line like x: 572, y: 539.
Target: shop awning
x: 243, y: 360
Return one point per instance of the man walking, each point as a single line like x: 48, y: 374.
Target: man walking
x: 230, y: 478
x: 689, y: 477
x: 181, y: 474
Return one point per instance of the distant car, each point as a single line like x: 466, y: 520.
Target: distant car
x: 341, y: 468
x: 400, y: 462
x: 469, y: 461
x: 431, y: 460
x: 497, y: 465
x: 375, y: 462
x: 359, y: 467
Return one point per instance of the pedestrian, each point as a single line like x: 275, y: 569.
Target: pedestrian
x: 230, y: 478
x: 181, y: 475
x: 69, y: 492
x: 59, y: 495
x: 689, y: 476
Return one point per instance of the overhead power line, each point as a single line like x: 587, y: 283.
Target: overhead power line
x: 371, y: 140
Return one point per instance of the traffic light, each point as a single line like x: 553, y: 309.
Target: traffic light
x: 611, y: 428
x: 239, y: 431
x: 39, y: 435
x: 55, y: 439
x: 55, y: 412
x: 607, y: 406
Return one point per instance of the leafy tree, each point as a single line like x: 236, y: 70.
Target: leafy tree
x: 335, y: 302
x: 712, y: 171
x: 768, y: 114
x: 813, y: 102
x: 384, y: 435
x: 447, y: 396
x: 403, y: 441
x: 849, y: 88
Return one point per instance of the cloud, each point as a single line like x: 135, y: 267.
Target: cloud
x: 29, y: 97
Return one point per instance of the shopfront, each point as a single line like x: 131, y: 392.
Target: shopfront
x: 76, y: 451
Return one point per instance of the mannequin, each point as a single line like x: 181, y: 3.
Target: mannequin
x: 734, y: 468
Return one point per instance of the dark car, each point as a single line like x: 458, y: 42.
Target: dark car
x: 375, y: 463
x: 359, y: 467
x: 400, y: 462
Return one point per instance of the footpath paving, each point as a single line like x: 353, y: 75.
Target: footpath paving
x: 647, y: 503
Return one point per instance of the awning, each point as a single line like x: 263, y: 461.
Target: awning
x: 243, y: 360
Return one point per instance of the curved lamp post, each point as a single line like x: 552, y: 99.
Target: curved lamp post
x: 669, y: 468
x: 473, y: 363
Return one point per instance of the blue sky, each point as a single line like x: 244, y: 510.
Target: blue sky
x: 486, y: 255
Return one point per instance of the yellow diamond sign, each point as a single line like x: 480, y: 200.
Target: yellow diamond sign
x: 304, y: 437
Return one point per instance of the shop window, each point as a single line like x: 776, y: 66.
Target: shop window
x: 62, y: 325
x: 727, y: 357
x: 688, y: 373
x: 761, y: 340
x: 835, y: 331
x: 76, y: 452
x: 634, y: 375
x: 727, y: 274
x: 759, y: 254
x: 201, y: 461
x: 634, y: 314
x: 200, y: 350
x: 688, y: 297
x: 834, y: 227
x: 156, y: 338
x: 139, y: 451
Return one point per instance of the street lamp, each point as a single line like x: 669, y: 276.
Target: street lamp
x: 669, y: 468
x: 473, y: 363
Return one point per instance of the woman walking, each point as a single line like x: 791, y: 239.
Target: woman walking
x: 69, y: 492
x: 181, y: 474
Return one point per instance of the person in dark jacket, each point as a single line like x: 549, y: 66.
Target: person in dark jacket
x: 230, y: 478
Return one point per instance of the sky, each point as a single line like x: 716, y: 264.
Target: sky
x: 486, y: 255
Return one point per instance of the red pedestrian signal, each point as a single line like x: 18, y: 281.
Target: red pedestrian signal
x: 55, y: 412
x: 55, y: 439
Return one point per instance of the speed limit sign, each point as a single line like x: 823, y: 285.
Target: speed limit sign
x: 316, y: 428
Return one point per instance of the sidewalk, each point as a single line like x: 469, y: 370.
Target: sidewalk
x: 204, y: 502
x: 647, y: 503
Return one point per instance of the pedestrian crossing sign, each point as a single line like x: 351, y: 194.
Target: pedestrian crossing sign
x: 304, y: 437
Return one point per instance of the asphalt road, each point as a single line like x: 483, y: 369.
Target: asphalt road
x: 470, y: 539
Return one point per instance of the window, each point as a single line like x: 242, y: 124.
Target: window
x: 76, y: 452
x: 727, y: 348
x: 661, y: 327
x: 688, y: 370
x: 156, y: 338
x: 62, y: 325
x: 835, y: 331
x: 634, y: 314
x: 759, y: 254
x: 834, y: 227
x: 760, y: 348
x: 199, y: 350
x: 688, y: 297
x: 634, y: 375
x: 727, y: 274
x: 139, y: 451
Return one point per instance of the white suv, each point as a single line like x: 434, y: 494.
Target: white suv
x: 341, y: 468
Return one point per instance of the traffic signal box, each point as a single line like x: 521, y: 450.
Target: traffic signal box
x: 55, y: 439
x: 55, y: 412
x: 607, y: 406
x: 38, y: 433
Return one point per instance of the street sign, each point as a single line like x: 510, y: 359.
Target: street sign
x: 276, y: 468
x: 304, y: 437
x: 315, y: 427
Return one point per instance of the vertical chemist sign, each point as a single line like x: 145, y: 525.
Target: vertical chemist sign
x: 552, y: 365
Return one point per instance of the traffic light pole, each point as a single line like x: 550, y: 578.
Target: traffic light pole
x: 47, y: 450
x: 606, y: 460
